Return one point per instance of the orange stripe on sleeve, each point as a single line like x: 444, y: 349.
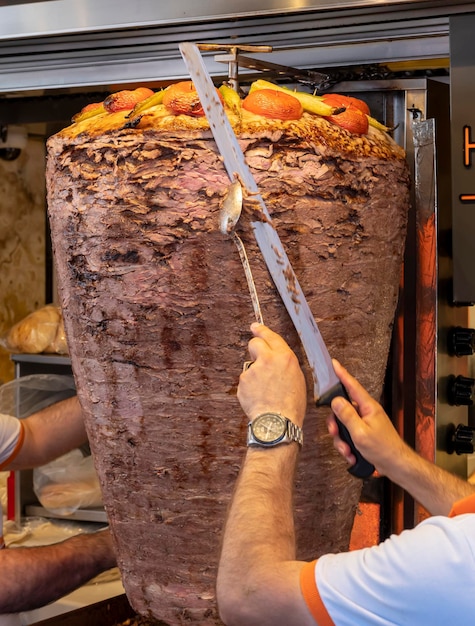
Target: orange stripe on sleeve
x: 466, y: 505
x: 310, y: 593
x: 19, y: 443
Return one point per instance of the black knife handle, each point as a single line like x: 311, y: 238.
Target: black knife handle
x: 362, y: 468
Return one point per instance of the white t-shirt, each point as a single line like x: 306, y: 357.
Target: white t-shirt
x: 422, y: 577
x: 10, y: 429
x: 10, y: 432
x: 11, y: 437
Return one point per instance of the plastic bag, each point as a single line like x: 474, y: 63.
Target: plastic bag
x: 26, y: 395
x: 67, y: 484
x: 40, y: 331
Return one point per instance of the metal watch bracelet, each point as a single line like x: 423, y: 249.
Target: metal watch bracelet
x: 295, y: 432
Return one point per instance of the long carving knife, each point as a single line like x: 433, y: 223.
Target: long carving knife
x: 326, y: 383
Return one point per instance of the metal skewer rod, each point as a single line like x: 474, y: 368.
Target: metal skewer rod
x: 250, y: 280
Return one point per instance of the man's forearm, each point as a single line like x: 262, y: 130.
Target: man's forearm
x: 33, y: 577
x: 433, y: 487
x: 50, y: 433
x: 262, y: 506
x: 378, y: 441
x: 259, y: 533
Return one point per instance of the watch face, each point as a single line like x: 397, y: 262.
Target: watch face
x: 268, y: 427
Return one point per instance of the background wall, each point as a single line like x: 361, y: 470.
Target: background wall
x: 22, y: 240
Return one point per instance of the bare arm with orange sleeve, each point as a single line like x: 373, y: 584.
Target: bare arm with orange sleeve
x: 48, y: 434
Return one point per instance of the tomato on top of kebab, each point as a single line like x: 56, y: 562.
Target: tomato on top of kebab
x: 273, y: 104
x: 352, y: 113
x: 182, y: 99
x: 264, y: 98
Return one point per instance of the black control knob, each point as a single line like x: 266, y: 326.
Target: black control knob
x: 460, y: 439
x: 461, y: 341
x: 460, y: 390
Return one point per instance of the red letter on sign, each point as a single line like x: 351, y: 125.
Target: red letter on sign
x: 467, y: 146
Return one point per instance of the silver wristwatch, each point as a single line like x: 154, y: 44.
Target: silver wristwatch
x: 272, y: 429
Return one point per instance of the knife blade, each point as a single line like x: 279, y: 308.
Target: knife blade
x: 326, y: 383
